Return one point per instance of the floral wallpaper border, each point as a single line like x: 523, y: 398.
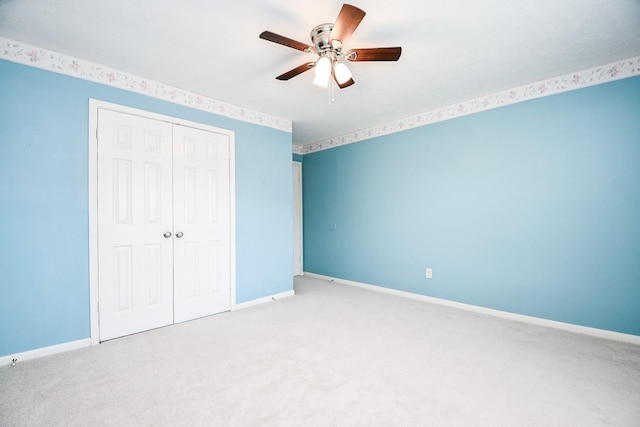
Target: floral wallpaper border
x: 41, y: 58
x: 602, y: 74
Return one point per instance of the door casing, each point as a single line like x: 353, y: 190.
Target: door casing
x: 94, y: 105
x: 298, y: 265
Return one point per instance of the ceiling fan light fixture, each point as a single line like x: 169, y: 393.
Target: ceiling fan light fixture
x: 328, y: 42
x: 342, y: 73
x: 323, y: 71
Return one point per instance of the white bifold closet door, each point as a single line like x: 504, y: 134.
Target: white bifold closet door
x: 202, y: 273
x: 163, y: 223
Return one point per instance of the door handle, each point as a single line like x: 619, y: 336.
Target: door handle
x: 179, y: 234
x: 167, y: 234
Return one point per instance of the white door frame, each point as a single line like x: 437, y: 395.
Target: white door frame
x: 298, y: 260
x: 94, y: 105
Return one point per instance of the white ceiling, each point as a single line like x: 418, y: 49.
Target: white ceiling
x: 453, y: 50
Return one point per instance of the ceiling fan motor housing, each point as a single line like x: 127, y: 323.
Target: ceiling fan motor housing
x: 320, y: 38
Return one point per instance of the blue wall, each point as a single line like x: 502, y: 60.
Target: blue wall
x: 532, y: 208
x: 44, y: 261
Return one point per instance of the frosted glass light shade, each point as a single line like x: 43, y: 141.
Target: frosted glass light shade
x: 342, y: 73
x: 323, y: 72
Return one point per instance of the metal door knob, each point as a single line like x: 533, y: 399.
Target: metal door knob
x: 167, y: 234
x: 179, y: 234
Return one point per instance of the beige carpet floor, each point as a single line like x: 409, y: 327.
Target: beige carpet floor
x: 333, y: 355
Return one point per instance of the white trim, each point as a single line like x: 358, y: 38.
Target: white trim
x: 232, y: 217
x: 44, y: 351
x: 298, y: 225
x: 599, y: 333
x: 262, y: 300
x: 93, y: 222
x: 32, y: 56
x: 581, y: 79
x: 298, y: 149
x: 94, y: 105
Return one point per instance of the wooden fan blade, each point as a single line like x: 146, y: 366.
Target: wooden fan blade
x: 346, y: 23
x: 298, y: 70
x: 343, y: 85
x: 375, y: 54
x: 285, y: 41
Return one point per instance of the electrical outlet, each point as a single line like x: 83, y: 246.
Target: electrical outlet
x: 429, y: 273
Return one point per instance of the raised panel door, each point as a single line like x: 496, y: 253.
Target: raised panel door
x: 135, y: 275
x: 202, y: 282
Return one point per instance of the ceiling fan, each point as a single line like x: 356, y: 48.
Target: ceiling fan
x: 328, y: 40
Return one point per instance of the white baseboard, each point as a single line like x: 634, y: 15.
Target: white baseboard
x: 74, y: 345
x: 263, y: 300
x: 595, y: 332
x: 44, y: 351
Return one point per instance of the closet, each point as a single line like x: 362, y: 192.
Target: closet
x: 163, y: 222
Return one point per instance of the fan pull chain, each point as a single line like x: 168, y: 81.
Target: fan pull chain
x: 332, y: 98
